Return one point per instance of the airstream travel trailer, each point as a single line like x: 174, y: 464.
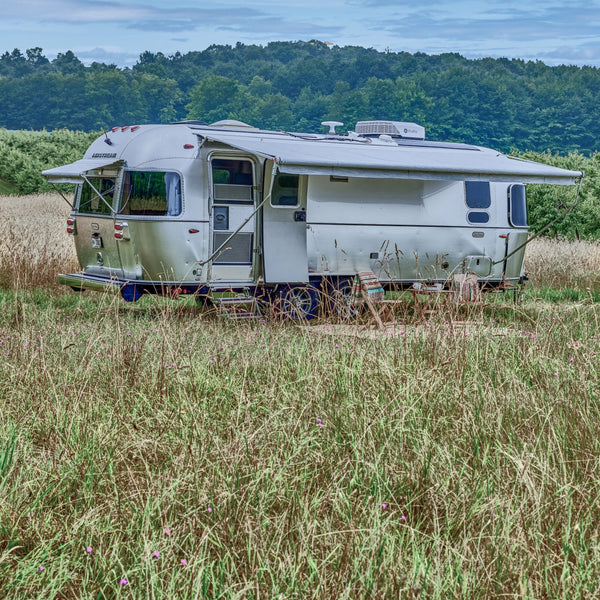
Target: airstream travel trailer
x: 198, y: 208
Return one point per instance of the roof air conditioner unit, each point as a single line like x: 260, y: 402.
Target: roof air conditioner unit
x: 410, y: 131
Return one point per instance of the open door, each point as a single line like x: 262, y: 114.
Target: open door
x: 285, y: 257
x: 232, y: 206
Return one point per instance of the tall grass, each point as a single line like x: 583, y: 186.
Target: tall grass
x: 34, y: 244
x: 281, y: 461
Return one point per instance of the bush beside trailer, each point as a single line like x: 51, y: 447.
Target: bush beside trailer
x: 199, y: 208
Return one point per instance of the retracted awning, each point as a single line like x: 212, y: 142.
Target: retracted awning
x: 413, y: 160
x: 74, y: 172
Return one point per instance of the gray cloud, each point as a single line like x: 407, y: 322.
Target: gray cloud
x: 142, y: 17
x: 586, y: 53
x: 503, y: 23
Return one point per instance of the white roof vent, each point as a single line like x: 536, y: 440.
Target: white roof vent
x: 411, y: 131
x: 231, y: 124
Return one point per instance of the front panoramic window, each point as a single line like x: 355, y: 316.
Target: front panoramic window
x: 517, y: 206
x: 151, y: 193
x: 97, y: 195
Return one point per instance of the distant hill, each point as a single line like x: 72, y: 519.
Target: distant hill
x: 500, y: 103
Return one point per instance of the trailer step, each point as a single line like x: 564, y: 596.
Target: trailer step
x: 239, y: 307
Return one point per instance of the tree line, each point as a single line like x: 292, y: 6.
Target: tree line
x: 501, y: 103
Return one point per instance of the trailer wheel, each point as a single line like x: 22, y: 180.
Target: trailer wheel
x: 343, y: 303
x: 299, y: 302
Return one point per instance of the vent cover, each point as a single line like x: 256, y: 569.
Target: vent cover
x: 411, y: 131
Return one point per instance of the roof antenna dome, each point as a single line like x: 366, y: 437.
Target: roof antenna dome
x: 332, y: 125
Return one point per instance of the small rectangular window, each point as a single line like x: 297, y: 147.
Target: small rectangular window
x: 517, y: 206
x: 285, y: 190
x: 96, y: 196
x: 477, y: 194
x: 232, y: 181
x: 151, y: 193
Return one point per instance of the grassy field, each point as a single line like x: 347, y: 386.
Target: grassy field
x: 151, y: 450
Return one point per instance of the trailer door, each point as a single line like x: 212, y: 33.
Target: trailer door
x: 284, y: 231
x: 232, y: 208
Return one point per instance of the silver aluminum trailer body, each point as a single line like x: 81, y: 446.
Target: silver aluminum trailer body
x: 190, y: 207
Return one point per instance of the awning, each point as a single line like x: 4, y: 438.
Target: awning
x: 74, y: 172
x: 414, y: 160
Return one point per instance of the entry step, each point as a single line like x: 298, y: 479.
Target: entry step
x: 238, y: 307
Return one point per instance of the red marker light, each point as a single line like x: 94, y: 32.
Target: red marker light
x: 119, y: 235
x: 194, y: 230
x: 135, y: 127
x: 125, y: 128
x: 118, y: 226
x: 188, y: 146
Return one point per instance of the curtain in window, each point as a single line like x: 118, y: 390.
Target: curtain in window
x: 173, y: 189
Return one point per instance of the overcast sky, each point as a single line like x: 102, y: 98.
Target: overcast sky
x: 118, y: 31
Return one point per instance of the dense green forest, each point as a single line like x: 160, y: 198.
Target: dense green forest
x: 501, y: 103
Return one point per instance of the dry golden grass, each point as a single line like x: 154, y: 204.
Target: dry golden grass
x: 34, y: 244
x: 563, y: 263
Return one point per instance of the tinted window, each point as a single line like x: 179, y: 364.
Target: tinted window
x: 285, y: 190
x: 97, y: 196
x: 476, y: 216
x: 477, y: 194
x: 517, y: 206
x: 151, y: 193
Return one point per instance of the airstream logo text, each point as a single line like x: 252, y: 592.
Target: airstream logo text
x: 105, y: 155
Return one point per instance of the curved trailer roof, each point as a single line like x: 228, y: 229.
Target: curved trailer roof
x: 347, y: 156
x: 344, y: 156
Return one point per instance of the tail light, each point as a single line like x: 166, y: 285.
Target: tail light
x: 121, y: 231
x: 71, y: 227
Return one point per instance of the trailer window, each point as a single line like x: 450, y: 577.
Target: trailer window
x: 517, y: 206
x: 232, y: 181
x: 477, y: 195
x: 285, y: 190
x: 151, y: 193
x: 90, y: 201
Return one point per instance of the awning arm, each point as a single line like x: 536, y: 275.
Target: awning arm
x: 546, y: 227
x: 61, y: 193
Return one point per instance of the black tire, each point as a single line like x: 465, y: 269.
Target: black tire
x: 300, y: 302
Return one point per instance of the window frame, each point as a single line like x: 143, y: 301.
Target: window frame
x: 119, y: 206
x: 232, y: 201
x: 477, y: 207
x: 102, y: 200
x: 299, y: 190
x: 510, y: 205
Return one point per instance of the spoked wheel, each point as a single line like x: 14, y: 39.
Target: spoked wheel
x: 299, y: 302
x: 344, y: 304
